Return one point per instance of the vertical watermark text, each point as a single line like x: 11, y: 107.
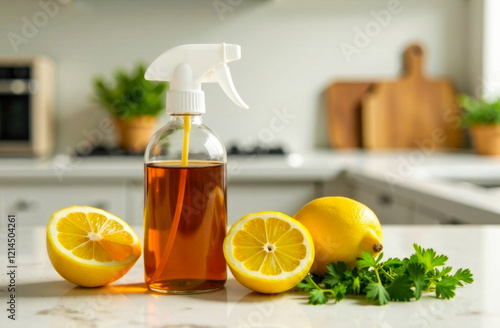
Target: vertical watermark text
x: 11, y: 267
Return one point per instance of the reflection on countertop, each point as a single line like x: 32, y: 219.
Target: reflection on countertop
x: 44, y: 299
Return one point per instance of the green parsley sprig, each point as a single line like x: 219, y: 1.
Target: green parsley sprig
x: 392, y: 280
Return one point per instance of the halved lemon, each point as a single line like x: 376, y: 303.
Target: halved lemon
x: 268, y: 252
x: 91, y: 247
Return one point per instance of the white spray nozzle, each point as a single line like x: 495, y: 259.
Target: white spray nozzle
x: 187, y: 66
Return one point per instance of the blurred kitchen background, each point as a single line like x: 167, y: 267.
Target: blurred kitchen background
x: 293, y: 51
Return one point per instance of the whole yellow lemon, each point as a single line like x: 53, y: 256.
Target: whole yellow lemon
x: 341, y: 229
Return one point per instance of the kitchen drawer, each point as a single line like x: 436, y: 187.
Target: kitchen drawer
x: 242, y: 198
x: 424, y: 215
x: 135, y: 202
x: 423, y: 218
x: 34, y: 203
x: 388, y: 208
x: 287, y: 197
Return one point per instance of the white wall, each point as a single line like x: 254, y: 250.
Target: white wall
x: 490, y: 86
x: 291, y: 52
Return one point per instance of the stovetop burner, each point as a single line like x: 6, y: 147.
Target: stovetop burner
x: 256, y: 150
x: 104, y: 151
x: 232, y: 150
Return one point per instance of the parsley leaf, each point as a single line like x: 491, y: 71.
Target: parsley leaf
x: 416, y: 274
x: 445, y: 288
x: 367, y: 261
x: 377, y: 292
x: 317, y: 296
x: 352, y: 281
x: 356, y: 286
x: 338, y: 292
x: 334, y: 273
x: 463, y: 276
x: 443, y: 273
x: 307, y: 284
x: 428, y: 257
x: 400, y: 289
x: 392, y: 280
x: 392, y: 263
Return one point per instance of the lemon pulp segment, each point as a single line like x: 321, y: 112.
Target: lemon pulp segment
x: 92, y: 236
x: 89, y: 246
x: 268, y: 252
x: 269, y: 246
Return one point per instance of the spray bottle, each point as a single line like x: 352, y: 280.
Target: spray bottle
x: 185, y: 213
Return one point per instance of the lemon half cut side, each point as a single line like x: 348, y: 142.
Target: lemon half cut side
x: 268, y: 252
x: 91, y: 247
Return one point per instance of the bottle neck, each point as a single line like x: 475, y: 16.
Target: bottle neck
x: 179, y: 119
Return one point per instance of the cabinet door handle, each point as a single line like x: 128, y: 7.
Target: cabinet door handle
x: 101, y: 205
x: 385, y: 199
x: 24, y: 205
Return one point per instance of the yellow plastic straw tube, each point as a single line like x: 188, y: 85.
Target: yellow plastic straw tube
x: 180, y: 201
x: 185, y: 142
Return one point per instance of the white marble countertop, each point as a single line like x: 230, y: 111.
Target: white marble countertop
x: 44, y: 299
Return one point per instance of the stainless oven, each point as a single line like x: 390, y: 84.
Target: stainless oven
x: 26, y: 106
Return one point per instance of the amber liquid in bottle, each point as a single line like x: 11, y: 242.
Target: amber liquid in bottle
x: 196, y: 261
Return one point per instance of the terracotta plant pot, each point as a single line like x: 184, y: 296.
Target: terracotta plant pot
x: 135, y: 133
x: 486, y: 139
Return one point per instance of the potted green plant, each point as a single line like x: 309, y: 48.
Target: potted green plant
x: 482, y: 117
x: 134, y: 103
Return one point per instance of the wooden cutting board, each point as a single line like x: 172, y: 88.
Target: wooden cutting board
x: 412, y: 112
x: 343, y: 101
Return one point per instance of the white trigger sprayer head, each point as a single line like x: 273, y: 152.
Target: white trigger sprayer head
x: 187, y: 66
x: 226, y: 82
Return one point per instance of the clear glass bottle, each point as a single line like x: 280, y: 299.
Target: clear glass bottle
x: 185, y: 213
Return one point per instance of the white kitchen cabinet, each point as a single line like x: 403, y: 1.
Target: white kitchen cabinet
x: 287, y: 197
x: 243, y: 197
x: 135, y: 202
x: 425, y: 215
x: 420, y: 217
x: 396, y: 208
x: 388, y: 208
x: 34, y: 203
